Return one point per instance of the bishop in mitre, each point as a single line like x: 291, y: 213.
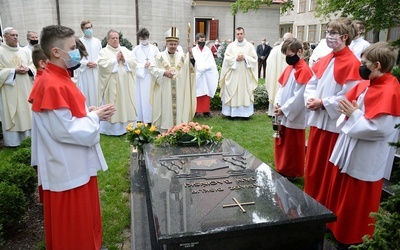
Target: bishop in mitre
x: 172, y: 94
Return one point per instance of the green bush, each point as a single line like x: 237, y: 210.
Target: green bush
x: 26, y: 143
x: 1, y: 236
x: 21, y: 155
x: 396, y: 72
x: 260, y: 98
x: 13, y: 205
x: 216, y: 103
x: 20, y: 175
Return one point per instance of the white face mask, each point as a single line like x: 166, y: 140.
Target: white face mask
x: 334, y: 41
x: 144, y: 42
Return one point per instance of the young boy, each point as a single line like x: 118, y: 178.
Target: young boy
x: 290, y: 147
x: 65, y: 147
x: 362, y: 155
x: 39, y: 59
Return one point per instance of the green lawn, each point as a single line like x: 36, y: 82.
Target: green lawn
x: 255, y: 135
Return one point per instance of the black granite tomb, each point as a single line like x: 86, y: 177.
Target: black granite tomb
x: 219, y: 197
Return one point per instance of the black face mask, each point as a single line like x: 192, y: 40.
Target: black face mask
x: 364, y: 72
x: 33, y: 42
x: 292, y: 60
x: 201, y: 44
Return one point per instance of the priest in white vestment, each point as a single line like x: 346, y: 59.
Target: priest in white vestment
x: 239, y: 77
x: 276, y: 63
x: 117, y: 84
x: 16, y: 78
x: 144, y: 54
x: 172, y: 94
x: 88, y: 71
x: 206, y: 75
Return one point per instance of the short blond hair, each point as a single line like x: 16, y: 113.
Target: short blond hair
x: 383, y: 53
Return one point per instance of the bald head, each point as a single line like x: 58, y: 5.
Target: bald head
x: 287, y: 36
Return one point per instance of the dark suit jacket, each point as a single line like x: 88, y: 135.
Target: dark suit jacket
x: 261, y: 52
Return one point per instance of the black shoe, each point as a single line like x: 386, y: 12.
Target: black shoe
x: 207, y: 114
x: 197, y: 114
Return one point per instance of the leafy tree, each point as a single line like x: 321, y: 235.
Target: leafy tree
x: 376, y: 15
x: 246, y: 5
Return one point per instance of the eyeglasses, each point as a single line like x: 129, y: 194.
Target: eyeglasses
x: 332, y: 33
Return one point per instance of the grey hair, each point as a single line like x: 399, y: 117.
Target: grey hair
x: 111, y: 31
x: 7, y: 30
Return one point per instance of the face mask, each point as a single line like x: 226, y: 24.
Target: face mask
x: 88, y: 32
x: 75, y: 58
x: 292, y: 60
x: 201, y: 44
x: 364, y: 72
x: 216, y: 42
x: 33, y: 42
x: 333, y: 42
x: 144, y: 42
x: 263, y: 42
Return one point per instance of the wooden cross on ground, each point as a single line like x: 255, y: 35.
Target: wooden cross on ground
x: 240, y: 205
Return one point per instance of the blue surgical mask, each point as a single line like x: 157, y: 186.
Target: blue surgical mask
x: 75, y: 58
x: 88, y: 32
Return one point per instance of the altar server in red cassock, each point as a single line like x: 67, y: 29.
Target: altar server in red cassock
x: 66, y: 149
x: 205, y: 76
x: 290, y: 147
x: 362, y: 155
x: 337, y: 73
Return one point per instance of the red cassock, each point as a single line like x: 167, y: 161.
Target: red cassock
x: 353, y: 200
x: 289, y: 149
x: 318, y: 169
x: 72, y: 218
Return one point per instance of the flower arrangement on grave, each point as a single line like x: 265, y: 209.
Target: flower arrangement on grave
x: 191, y: 133
x: 141, y: 134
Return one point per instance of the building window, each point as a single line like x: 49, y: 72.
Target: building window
x: 394, y: 34
x: 313, y: 3
x: 300, y: 32
x: 312, y: 31
x: 324, y: 27
x: 302, y: 6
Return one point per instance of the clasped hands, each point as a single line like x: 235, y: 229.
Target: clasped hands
x: 346, y: 107
x: 104, y: 112
x: 120, y: 57
x: 21, y: 70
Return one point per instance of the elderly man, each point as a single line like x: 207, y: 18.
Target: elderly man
x: 238, y: 78
x: 117, y: 84
x: 173, y: 95
x: 16, y: 78
x: 32, y: 38
x: 88, y: 71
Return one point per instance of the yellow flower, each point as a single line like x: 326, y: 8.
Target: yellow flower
x: 152, y: 128
x: 137, y: 131
x: 139, y: 124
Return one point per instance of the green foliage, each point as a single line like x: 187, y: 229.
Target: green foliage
x: 246, y: 5
x: 377, y: 15
x: 141, y: 134
x: 122, y: 41
x: 22, y: 155
x: 26, y: 143
x: 1, y: 131
x: 20, y: 175
x: 261, y: 98
x: 13, y: 205
x: 216, y: 102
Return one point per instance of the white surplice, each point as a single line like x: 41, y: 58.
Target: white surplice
x: 88, y: 77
